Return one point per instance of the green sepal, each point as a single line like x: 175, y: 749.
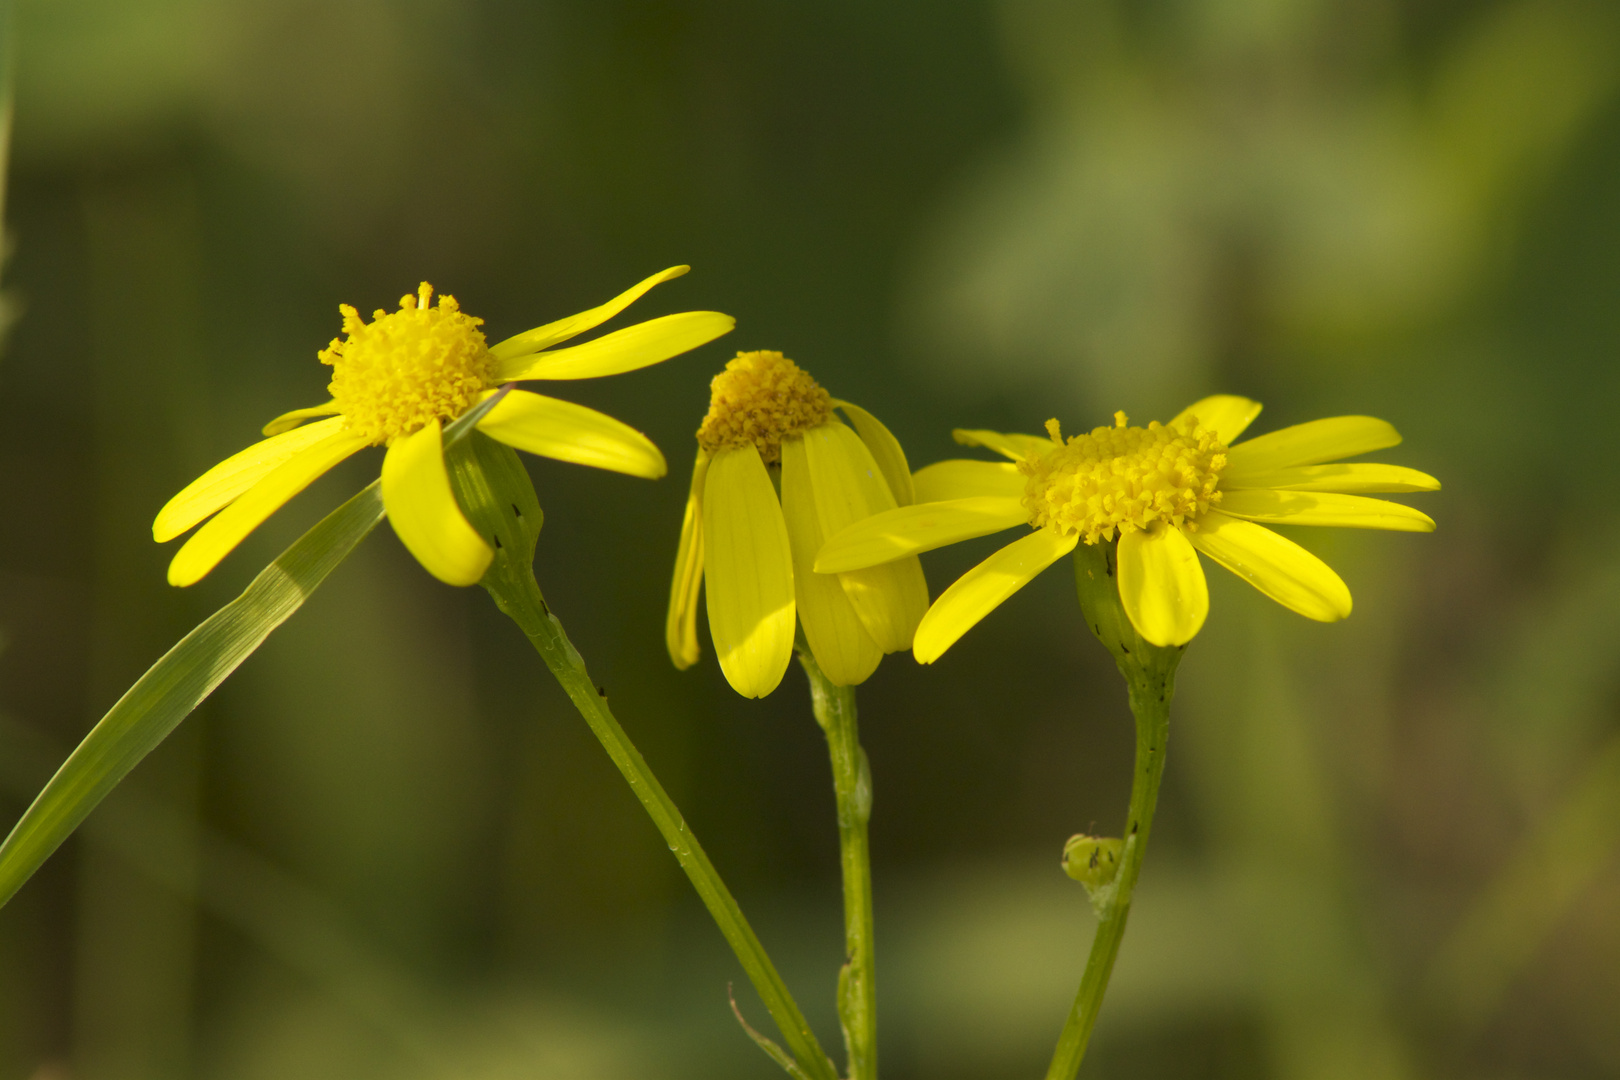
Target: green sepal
x: 1147, y: 667
x: 498, y: 497
x: 178, y: 683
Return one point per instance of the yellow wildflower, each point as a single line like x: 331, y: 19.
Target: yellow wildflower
x: 395, y: 382
x: 1166, y: 492
x: 771, y: 428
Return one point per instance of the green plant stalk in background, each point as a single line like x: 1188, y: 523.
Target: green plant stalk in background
x: 1150, y: 676
x: 494, y: 489
x: 834, y: 707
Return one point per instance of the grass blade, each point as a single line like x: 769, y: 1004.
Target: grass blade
x: 178, y: 683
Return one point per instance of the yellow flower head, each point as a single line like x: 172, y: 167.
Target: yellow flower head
x: 1121, y: 478
x: 400, y: 372
x: 761, y: 398
x: 395, y: 382
x: 776, y: 473
x: 1167, y: 493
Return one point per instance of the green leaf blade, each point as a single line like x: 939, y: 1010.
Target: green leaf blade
x: 178, y: 683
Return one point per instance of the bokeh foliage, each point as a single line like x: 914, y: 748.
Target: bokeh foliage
x: 388, y: 848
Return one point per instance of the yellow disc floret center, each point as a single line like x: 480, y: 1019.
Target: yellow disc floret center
x: 398, y: 373
x: 762, y: 398
x: 1119, y: 479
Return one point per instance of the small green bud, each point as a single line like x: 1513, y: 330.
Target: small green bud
x: 1091, y: 860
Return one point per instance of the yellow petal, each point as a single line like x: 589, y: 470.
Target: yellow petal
x: 961, y: 479
x: 1014, y: 446
x: 289, y: 420
x: 911, y: 530
x: 889, y: 598
x: 886, y: 451
x: 1341, y: 478
x: 846, y: 652
x: 748, y: 569
x: 230, y: 526
x: 424, y: 513
x: 638, y: 346
x: 1309, y: 444
x: 1226, y: 414
x: 1323, y: 508
x: 1275, y: 565
x: 544, y: 337
x: 568, y: 432
x: 221, y: 485
x: 982, y: 589
x: 680, y: 628
x: 1161, y: 584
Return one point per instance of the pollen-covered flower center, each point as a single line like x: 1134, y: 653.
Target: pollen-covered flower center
x: 398, y: 373
x: 761, y: 398
x: 1119, y: 479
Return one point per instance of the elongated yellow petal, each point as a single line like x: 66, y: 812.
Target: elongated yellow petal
x: 221, y: 485
x: 1161, y: 584
x: 1226, y: 414
x: 568, y: 432
x: 961, y: 478
x: 890, y: 598
x: 886, y: 451
x: 1342, y: 478
x: 982, y: 589
x: 846, y: 652
x: 911, y: 530
x: 230, y: 526
x: 1324, y: 508
x: 1275, y: 565
x: 748, y: 569
x: 680, y: 627
x: 289, y: 420
x: 1309, y: 444
x: 1014, y: 446
x: 424, y: 513
x: 638, y: 346
x: 544, y: 337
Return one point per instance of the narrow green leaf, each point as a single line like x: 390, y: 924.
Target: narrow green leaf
x: 178, y: 683
x: 773, y: 1051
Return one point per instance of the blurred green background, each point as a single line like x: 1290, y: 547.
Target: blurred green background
x: 388, y: 848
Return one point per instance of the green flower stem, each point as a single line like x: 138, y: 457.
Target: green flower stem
x: 529, y: 611
x: 1152, y: 727
x: 834, y: 707
x: 496, y: 493
x: 1150, y: 675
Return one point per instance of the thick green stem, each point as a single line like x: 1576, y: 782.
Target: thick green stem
x: 494, y: 489
x: 1152, y: 709
x: 1150, y: 676
x: 834, y: 707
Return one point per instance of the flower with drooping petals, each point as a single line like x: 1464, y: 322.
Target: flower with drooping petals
x: 776, y: 473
